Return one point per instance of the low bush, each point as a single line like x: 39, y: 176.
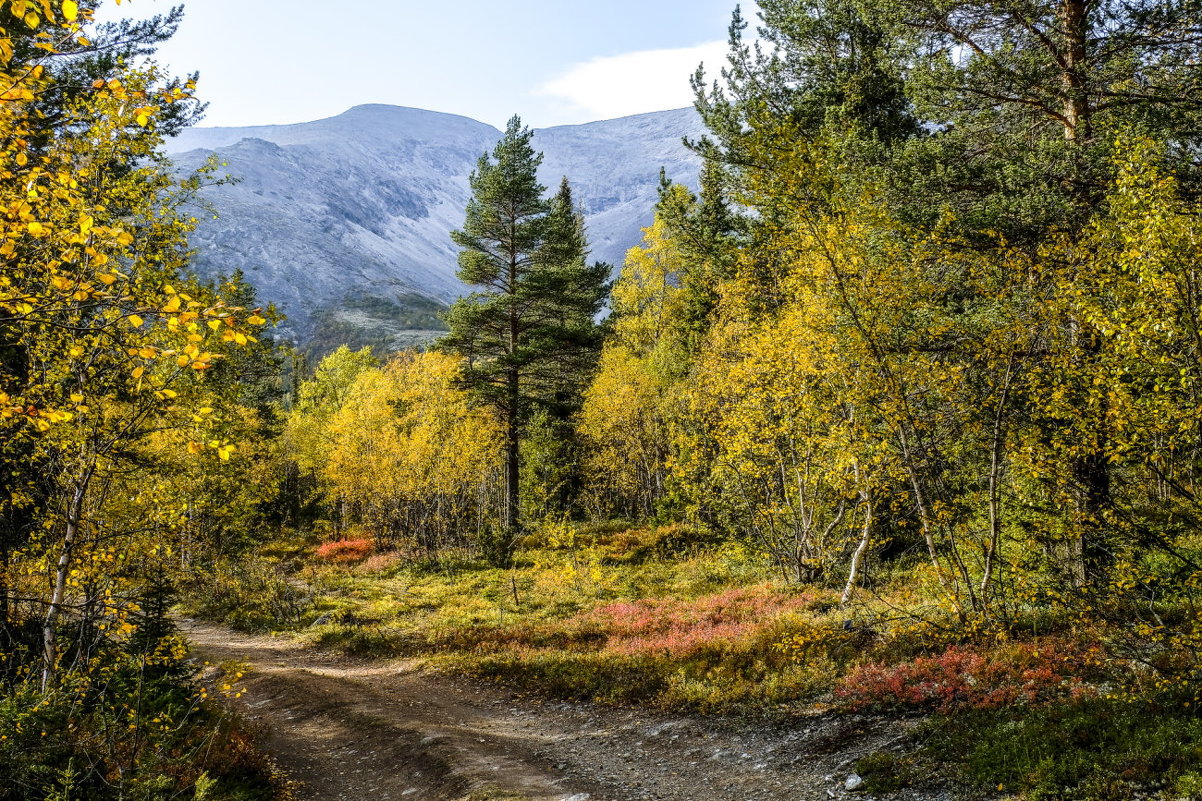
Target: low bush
x: 681, y: 628
x: 594, y: 676
x: 136, y: 725
x: 1089, y: 749
x: 885, y: 771
x: 379, y: 563
x: 1026, y: 674
x: 358, y: 640
x: 345, y: 552
x: 250, y: 595
x: 636, y: 546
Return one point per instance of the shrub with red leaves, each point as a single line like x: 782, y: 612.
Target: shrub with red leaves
x: 963, y: 678
x: 345, y: 551
x: 677, y: 628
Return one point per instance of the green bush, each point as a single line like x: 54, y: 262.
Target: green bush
x: 135, y: 726
x: 885, y: 772
x: 1099, y: 749
x: 250, y: 595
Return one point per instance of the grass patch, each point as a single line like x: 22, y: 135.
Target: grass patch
x: 1094, y: 749
x: 887, y: 772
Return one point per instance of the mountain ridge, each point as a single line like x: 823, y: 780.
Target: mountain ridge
x: 360, y: 206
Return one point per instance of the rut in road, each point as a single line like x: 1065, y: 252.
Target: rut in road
x: 352, y: 730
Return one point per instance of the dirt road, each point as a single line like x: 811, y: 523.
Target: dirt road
x: 352, y: 730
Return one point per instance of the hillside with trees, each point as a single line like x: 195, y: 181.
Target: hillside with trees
x: 897, y: 419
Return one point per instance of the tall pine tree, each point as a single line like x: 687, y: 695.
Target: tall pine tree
x: 528, y: 333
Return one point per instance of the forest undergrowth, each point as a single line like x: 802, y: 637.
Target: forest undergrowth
x: 665, y: 617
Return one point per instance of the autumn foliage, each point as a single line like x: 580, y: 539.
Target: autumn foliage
x: 682, y: 628
x: 344, y: 551
x: 904, y: 403
x: 1025, y: 674
x: 108, y: 352
x: 398, y: 447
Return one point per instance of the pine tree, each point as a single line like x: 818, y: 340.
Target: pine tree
x: 830, y: 64
x: 574, y: 292
x: 705, y: 230
x: 528, y: 333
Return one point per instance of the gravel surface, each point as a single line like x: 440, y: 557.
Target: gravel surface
x: 351, y: 730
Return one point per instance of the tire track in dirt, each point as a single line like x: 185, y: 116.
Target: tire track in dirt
x: 350, y: 730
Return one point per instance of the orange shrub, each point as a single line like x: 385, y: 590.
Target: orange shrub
x: 345, y: 551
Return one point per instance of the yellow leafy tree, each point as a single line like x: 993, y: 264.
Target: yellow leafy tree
x: 410, y: 454
x: 104, y: 341
x: 1118, y: 378
x: 624, y: 422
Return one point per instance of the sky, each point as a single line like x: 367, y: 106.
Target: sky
x: 553, y: 62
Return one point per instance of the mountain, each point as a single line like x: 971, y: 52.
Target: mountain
x: 344, y: 223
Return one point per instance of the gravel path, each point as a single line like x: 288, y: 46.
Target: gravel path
x: 354, y: 730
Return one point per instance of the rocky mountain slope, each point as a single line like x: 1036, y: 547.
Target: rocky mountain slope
x: 344, y: 222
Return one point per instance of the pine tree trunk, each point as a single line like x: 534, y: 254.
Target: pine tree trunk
x: 1091, y: 556
x: 1091, y: 470
x: 511, y: 457
x: 513, y: 398
x: 1075, y: 23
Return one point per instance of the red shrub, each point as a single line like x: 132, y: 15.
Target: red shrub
x: 345, y: 551
x: 653, y: 627
x: 1025, y: 674
x: 678, y: 628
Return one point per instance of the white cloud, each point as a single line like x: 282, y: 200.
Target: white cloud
x: 634, y: 83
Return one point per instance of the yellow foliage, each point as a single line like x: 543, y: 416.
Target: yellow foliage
x: 407, y: 450
x: 624, y: 419
x: 91, y: 238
